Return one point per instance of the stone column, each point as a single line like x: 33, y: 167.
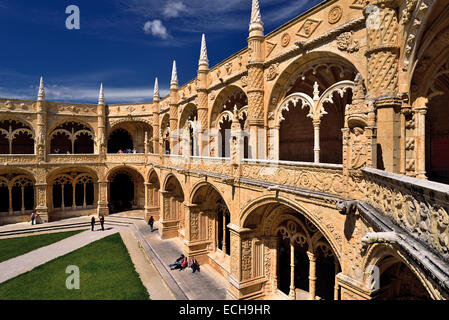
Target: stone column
x: 224, y: 234
x: 316, y: 149
x: 312, y: 275
x: 156, y: 111
x: 336, y: 288
x: 174, y: 136
x: 256, y: 85
x: 273, y: 143
x: 10, y: 208
x: 420, y: 107
x: 23, y: 199
x: 102, y: 207
x: 202, y: 100
x: 41, y: 201
x: 101, y: 135
x: 168, y: 226
x: 84, y: 199
x: 292, y: 294
x: 41, y: 128
x: 41, y: 133
x: 147, y: 205
x: 382, y: 83
x: 73, y: 196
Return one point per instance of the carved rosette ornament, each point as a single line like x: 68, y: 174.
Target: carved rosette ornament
x: 273, y: 72
x: 285, y: 40
x: 335, y: 14
x: 346, y: 42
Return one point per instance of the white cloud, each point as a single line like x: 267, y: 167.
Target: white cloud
x: 83, y: 94
x: 156, y: 28
x: 216, y: 15
x: 173, y: 9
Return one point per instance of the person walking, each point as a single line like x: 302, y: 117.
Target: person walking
x: 33, y: 216
x: 102, y: 222
x: 92, y: 223
x: 151, y: 223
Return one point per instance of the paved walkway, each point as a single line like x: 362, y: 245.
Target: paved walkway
x: 150, y: 254
x: 150, y: 277
x: 205, y: 285
x: 27, y: 262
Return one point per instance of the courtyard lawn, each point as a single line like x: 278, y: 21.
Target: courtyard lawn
x: 106, y: 273
x: 14, y: 247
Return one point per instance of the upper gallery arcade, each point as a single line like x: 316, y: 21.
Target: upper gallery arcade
x: 293, y: 167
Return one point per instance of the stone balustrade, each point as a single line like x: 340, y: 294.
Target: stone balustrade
x: 420, y: 207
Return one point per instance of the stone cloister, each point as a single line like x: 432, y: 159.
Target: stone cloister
x: 312, y: 164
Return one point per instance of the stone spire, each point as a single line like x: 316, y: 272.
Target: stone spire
x: 204, y: 61
x: 256, y: 24
x: 41, y: 94
x: 156, y: 90
x: 174, y: 76
x: 101, y: 95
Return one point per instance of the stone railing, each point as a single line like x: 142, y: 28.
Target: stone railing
x: 220, y: 166
x: 126, y: 158
x: 17, y: 159
x: 420, y: 207
x: 73, y: 158
x: 314, y: 176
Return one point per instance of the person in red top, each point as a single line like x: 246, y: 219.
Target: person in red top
x: 184, y: 264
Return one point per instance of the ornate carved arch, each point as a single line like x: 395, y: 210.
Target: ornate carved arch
x: 269, y: 218
x: 204, y: 184
x: 225, y: 94
x: 380, y: 251
x: 309, y: 63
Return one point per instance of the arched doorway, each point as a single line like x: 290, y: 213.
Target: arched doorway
x: 15, y: 138
x: 72, y: 138
x: 153, y: 205
x: 129, y: 136
x: 231, y: 100
x: 165, y: 134
x: 126, y: 190
x: 172, y: 208
x: 122, y: 192
x: 209, y: 230
x: 304, y: 264
x: 120, y: 140
x: 189, y: 125
x: 16, y: 193
x: 302, y: 119
x: 426, y: 123
x: 73, y: 190
x: 396, y: 280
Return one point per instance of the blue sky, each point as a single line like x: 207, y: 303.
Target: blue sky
x: 123, y: 43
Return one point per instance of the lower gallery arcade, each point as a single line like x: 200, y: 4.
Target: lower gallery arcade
x: 281, y: 252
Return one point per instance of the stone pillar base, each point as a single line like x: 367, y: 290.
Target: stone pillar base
x: 248, y: 290
x: 102, y: 209
x: 168, y: 229
x: 42, y: 215
x: 351, y: 289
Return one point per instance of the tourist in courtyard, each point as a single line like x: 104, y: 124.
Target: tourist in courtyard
x: 184, y: 264
x: 177, y: 263
x: 33, y: 216
x: 92, y: 223
x: 151, y: 223
x: 102, y: 223
x: 194, y: 265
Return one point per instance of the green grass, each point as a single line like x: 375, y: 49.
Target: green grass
x: 14, y: 247
x: 106, y: 273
